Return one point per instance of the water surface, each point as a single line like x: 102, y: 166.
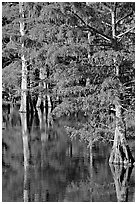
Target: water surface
x: 60, y: 170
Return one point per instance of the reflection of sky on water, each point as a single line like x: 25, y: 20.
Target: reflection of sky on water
x: 60, y: 169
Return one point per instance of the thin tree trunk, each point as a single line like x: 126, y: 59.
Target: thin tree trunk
x: 48, y: 117
x: 39, y: 101
x: 48, y: 97
x: 120, y: 151
x: 89, y: 55
x: 29, y: 86
x: 90, y: 143
x: 89, y: 42
x: 23, y: 107
x: 44, y: 96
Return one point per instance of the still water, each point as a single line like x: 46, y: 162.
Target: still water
x: 60, y: 169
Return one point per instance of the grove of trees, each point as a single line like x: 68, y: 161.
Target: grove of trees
x: 78, y: 59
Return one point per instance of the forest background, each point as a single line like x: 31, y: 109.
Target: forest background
x: 78, y: 59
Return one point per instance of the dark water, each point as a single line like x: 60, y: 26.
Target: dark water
x: 60, y: 170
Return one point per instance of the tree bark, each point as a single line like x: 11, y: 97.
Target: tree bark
x: 89, y: 44
x: 120, y: 151
x: 23, y: 107
x: 48, y: 98
x: 39, y: 101
x: 44, y: 96
x: 30, y: 106
x: 48, y: 117
x: 89, y: 55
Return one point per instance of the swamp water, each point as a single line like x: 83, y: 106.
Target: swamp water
x: 60, y: 170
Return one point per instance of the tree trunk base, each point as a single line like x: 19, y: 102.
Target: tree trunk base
x: 121, y: 154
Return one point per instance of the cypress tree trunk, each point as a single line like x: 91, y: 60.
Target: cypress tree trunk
x: 29, y: 86
x: 23, y: 107
x: 89, y: 55
x: 48, y: 117
x: 120, y: 151
x: 89, y: 42
x: 39, y: 101
x: 48, y: 97
x: 44, y: 96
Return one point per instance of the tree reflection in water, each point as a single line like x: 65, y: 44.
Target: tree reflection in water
x: 121, y: 175
x: 27, y: 154
x: 28, y: 121
x: 91, y: 170
x: 54, y: 167
x: 43, y: 125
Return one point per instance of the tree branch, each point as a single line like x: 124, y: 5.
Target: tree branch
x: 127, y: 31
x: 133, y: 81
x: 93, y: 29
x: 124, y: 17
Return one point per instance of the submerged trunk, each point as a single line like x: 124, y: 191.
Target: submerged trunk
x: 121, y: 175
x: 120, y: 151
x: 23, y: 107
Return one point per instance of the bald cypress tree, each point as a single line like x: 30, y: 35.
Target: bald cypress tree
x: 105, y: 98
